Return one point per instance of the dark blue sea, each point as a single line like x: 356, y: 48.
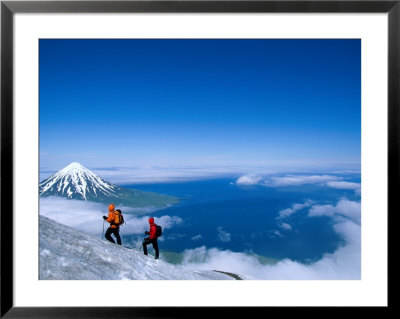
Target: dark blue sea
x: 219, y: 213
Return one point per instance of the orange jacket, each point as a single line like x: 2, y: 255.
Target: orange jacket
x: 111, y: 216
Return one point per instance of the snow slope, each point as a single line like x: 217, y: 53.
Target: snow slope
x: 76, y: 181
x: 68, y: 254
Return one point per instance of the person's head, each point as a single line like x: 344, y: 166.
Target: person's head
x: 119, y: 211
x: 111, y: 207
x: 151, y: 220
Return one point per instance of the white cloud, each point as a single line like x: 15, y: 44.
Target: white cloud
x: 295, y: 207
x: 197, y: 237
x: 286, y: 226
x: 248, y: 180
x: 88, y: 216
x: 287, y: 180
x: 223, y: 235
x: 344, y: 207
x: 277, y: 233
x: 344, y: 185
x: 349, y: 209
x: 342, y: 264
x: 322, y: 210
x: 295, y: 180
x: 157, y: 174
x: 202, y: 258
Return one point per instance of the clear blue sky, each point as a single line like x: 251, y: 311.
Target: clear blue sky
x: 199, y: 102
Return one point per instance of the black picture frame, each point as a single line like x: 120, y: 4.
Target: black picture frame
x: 9, y: 8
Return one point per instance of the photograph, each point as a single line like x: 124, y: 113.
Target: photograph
x: 199, y: 159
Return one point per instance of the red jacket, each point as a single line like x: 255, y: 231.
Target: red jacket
x: 153, y: 228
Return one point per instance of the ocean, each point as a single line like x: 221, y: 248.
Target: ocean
x: 219, y: 213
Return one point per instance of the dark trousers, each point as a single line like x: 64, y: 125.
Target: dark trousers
x: 155, y: 246
x: 114, y: 231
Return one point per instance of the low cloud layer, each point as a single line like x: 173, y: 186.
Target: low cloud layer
x: 194, y: 169
x: 356, y: 187
x: 88, y: 216
x: 297, y: 180
x: 344, y: 185
x: 344, y: 208
x: 343, y: 264
x: 154, y: 174
x: 287, y: 180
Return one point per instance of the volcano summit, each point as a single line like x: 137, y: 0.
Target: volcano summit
x: 77, y: 182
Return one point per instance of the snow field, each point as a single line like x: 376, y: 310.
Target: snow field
x: 68, y: 254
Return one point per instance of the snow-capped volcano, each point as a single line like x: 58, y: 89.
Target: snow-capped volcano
x: 77, y: 182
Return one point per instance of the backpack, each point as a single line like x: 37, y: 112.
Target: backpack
x: 118, y: 219
x: 158, y: 231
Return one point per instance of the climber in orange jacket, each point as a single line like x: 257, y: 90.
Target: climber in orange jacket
x: 114, y: 220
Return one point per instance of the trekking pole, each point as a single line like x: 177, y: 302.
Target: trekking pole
x: 103, y: 230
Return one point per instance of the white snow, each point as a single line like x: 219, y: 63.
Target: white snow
x: 68, y: 254
x: 78, y: 178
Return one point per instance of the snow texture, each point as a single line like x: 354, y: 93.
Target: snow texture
x: 68, y: 254
x: 77, y: 179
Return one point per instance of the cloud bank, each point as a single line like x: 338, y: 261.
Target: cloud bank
x: 343, y: 264
x: 295, y: 180
x: 356, y: 187
x: 344, y: 208
x: 332, y: 181
x: 88, y: 216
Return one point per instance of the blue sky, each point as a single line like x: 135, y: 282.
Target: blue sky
x: 200, y: 103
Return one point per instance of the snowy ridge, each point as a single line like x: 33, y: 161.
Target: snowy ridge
x: 76, y: 179
x: 68, y: 254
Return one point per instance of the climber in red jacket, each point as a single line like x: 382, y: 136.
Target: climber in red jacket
x: 152, y: 239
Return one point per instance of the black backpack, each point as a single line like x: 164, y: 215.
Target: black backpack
x: 158, y: 230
